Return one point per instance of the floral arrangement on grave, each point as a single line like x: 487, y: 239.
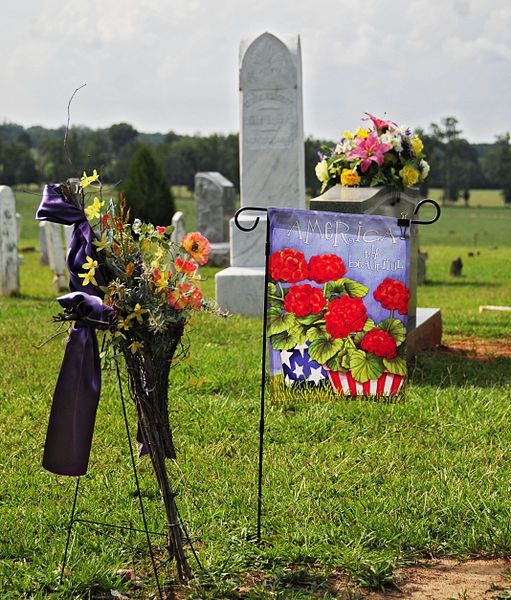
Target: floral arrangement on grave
x: 382, y: 155
x: 133, y: 281
x: 318, y: 320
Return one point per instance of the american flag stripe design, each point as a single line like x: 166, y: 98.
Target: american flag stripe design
x: 387, y: 384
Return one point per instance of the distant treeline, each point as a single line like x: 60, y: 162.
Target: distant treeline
x: 37, y: 154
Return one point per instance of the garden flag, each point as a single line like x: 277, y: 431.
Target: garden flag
x: 337, y: 305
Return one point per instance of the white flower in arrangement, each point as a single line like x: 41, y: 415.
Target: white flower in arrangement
x: 322, y: 170
x: 423, y: 169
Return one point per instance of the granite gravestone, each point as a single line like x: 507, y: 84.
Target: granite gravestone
x: 56, y: 255
x: 43, y: 247
x: 9, y: 264
x: 178, y: 222
x: 271, y: 159
x: 215, y: 203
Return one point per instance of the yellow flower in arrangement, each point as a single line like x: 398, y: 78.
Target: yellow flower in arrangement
x: 135, y: 347
x: 93, y: 211
x: 101, y: 244
x: 130, y: 269
x: 347, y: 135
x: 144, y: 245
x: 90, y: 266
x: 123, y: 324
x: 417, y: 145
x: 362, y: 133
x: 349, y: 177
x: 161, y: 279
x: 86, y: 180
x: 157, y: 258
x: 137, y: 313
x: 409, y: 175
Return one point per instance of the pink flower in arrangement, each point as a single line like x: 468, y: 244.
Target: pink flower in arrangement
x: 370, y: 150
x: 160, y: 229
x: 379, y: 124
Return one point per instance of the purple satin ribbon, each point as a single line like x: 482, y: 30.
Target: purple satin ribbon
x: 54, y: 208
x: 75, y: 400
x: 76, y: 396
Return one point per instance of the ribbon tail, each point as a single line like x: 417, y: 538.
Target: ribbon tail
x: 75, y: 401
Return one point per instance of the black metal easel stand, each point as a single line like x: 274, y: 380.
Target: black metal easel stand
x: 403, y: 223
x: 97, y: 524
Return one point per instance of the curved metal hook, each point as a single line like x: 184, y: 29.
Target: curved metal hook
x: 256, y: 222
x: 421, y: 203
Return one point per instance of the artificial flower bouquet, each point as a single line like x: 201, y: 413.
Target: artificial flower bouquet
x: 317, y: 311
x: 383, y: 154
x: 140, y: 286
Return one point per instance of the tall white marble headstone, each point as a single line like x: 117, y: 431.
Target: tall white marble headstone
x: 271, y: 159
x: 9, y: 270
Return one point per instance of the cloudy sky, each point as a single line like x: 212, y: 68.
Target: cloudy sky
x: 173, y: 64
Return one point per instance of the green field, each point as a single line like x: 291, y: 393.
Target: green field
x: 351, y: 486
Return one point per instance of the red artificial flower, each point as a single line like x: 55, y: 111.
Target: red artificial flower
x: 288, y: 265
x: 160, y: 229
x: 197, y: 246
x: 380, y: 343
x: 185, y: 266
x: 302, y: 300
x: 326, y: 267
x: 345, y: 315
x: 393, y: 295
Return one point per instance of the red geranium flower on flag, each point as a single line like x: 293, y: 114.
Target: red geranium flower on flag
x: 302, y: 300
x: 326, y: 267
x: 345, y: 315
x: 380, y: 343
x: 288, y: 265
x: 393, y: 295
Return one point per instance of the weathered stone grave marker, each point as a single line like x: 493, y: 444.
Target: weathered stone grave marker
x: 178, y: 222
x: 271, y: 159
x: 56, y: 255
x: 215, y: 202
x: 9, y: 264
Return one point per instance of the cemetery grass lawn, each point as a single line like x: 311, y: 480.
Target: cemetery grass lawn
x: 349, y: 486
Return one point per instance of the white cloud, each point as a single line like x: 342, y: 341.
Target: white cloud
x: 172, y: 64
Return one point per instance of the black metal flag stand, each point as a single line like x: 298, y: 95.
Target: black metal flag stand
x: 402, y: 222
x: 95, y: 525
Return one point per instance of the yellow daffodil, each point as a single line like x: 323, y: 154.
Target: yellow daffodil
x: 88, y: 277
x: 86, y: 180
x: 362, y: 133
x: 135, y: 347
x: 101, y: 244
x: 93, y: 211
x: 123, y: 323
x: 137, y: 313
x: 90, y: 265
x: 347, y: 135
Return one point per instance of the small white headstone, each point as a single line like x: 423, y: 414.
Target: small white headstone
x: 56, y: 255
x: 9, y: 270
x: 68, y: 235
x: 43, y: 246
x: 178, y: 222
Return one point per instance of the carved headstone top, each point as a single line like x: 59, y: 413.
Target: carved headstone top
x: 271, y: 138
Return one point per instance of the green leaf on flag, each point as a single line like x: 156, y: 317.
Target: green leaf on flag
x: 369, y: 324
x: 397, y: 365
x: 272, y: 289
x: 324, y: 347
x: 284, y: 341
x: 395, y: 328
x: 279, y: 322
x: 310, y: 319
x: 354, y: 289
x: 313, y: 333
x: 335, y: 287
x: 365, y: 366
